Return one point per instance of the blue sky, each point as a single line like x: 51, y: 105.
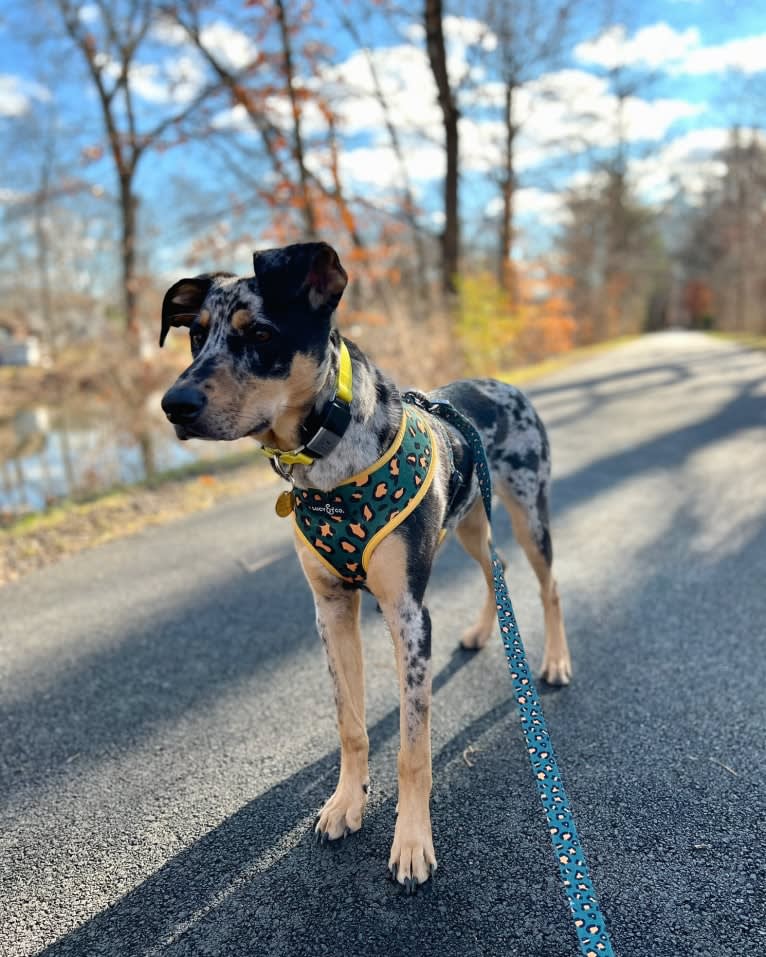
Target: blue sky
x: 674, y: 123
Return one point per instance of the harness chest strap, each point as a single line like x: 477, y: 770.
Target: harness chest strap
x: 344, y: 527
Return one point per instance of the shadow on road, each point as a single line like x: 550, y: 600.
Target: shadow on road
x: 600, y: 390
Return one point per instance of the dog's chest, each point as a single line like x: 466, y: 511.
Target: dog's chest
x: 344, y: 526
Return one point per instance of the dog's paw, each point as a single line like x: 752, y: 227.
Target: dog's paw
x: 342, y: 814
x: 557, y: 669
x: 412, y: 860
x: 476, y: 637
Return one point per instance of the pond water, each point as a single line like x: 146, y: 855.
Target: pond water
x: 48, y: 453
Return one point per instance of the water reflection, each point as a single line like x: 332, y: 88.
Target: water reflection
x: 47, y: 453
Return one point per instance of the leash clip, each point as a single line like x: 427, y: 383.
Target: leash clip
x: 284, y: 471
x: 423, y: 402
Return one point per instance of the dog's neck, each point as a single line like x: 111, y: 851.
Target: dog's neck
x: 375, y: 417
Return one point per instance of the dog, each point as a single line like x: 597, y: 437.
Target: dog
x: 267, y: 362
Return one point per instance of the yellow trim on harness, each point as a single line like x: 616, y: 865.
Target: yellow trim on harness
x: 385, y: 457
x: 343, y: 391
x: 378, y: 537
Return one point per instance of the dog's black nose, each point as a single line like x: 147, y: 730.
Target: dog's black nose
x: 183, y: 404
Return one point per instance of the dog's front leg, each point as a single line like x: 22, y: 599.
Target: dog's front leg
x: 412, y: 860
x: 337, y: 616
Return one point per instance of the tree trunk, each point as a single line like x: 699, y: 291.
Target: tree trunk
x: 438, y: 60
x: 505, y: 273
x: 307, y: 206
x: 44, y: 273
x: 128, y: 254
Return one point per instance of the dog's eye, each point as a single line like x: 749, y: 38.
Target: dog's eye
x: 261, y: 335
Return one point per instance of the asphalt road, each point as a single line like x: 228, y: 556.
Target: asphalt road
x: 167, y: 730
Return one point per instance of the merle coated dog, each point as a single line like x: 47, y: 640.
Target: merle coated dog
x: 265, y: 358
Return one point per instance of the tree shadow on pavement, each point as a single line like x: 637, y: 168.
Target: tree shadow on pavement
x: 597, y: 391
x: 669, y: 450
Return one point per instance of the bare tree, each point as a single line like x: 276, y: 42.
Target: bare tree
x: 110, y: 59
x: 409, y: 204
x: 530, y: 36
x: 437, y: 56
x: 298, y: 150
x: 723, y: 267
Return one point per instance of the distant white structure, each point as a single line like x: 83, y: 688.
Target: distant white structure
x: 21, y: 352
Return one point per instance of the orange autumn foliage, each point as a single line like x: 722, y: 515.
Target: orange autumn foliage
x: 698, y: 300
x: 498, y: 331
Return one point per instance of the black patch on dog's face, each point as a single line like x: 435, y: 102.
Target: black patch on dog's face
x: 259, y: 344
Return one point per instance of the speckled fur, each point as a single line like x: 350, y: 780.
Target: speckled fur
x: 266, y: 390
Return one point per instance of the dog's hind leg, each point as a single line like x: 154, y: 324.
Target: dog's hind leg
x: 412, y: 859
x: 531, y: 529
x: 474, y: 535
x: 337, y: 616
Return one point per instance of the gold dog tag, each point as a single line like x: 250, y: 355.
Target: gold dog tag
x: 285, y: 504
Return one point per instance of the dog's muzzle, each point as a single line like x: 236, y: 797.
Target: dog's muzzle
x: 183, y: 404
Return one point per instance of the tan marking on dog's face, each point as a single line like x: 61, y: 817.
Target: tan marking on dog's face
x: 294, y: 400
x: 203, y: 319
x: 275, y: 407
x: 241, y: 319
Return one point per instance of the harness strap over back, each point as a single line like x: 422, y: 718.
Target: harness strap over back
x: 573, y: 869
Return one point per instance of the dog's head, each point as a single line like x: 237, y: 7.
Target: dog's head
x: 259, y: 344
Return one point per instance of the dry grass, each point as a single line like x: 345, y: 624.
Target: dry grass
x: 38, y: 540
x: 742, y: 338
x: 421, y: 354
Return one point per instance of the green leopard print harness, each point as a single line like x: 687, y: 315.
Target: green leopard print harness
x: 343, y: 527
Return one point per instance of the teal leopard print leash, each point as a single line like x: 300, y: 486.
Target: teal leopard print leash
x: 573, y: 869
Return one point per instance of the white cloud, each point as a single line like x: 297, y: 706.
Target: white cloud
x: 532, y: 203
x: 377, y: 165
x: 230, y: 46
x: 747, y: 54
x: 689, y: 163
x: 235, y: 119
x: 167, y: 31
x: 560, y: 113
x: 89, y: 12
x: 176, y: 80
x: 17, y: 94
x: 465, y: 32
x: 407, y: 84
x: 570, y: 110
x: 678, y: 52
x: 10, y: 197
x: 653, y: 46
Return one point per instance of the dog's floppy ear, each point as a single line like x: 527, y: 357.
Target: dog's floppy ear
x: 310, y: 269
x: 182, y: 303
